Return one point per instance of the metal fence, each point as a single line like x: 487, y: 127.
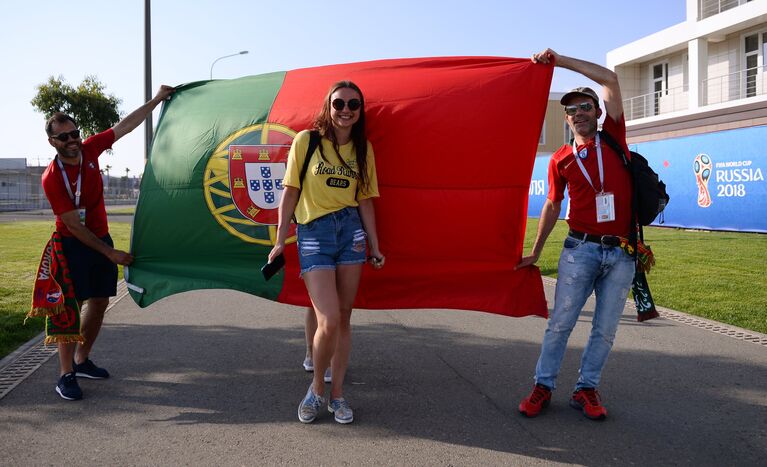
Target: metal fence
x: 21, y: 190
x: 656, y: 103
x: 707, y: 8
x: 738, y: 85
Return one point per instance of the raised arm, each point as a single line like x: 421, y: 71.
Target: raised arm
x: 134, y: 119
x: 611, y: 91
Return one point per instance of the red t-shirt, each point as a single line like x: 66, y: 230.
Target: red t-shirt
x: 91, y: 188
x: 565, y: 172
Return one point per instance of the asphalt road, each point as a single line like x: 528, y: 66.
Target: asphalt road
x: 215, y: 377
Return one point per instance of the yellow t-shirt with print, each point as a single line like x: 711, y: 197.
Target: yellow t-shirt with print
x: 328, y: 186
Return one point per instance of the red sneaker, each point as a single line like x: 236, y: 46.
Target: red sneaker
x: 539, y: 399
x: 587, y: 400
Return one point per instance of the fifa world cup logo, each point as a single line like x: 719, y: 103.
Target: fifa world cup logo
x: 702, y: 169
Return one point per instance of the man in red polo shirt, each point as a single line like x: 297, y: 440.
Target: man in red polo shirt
x: 592, y: 259
x: 72, y: 183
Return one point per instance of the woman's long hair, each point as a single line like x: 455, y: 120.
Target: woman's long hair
x: 324, y: 124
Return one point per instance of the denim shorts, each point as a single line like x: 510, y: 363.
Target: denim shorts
x: 335, y: 238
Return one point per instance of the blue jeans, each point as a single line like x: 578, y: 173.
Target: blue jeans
x: 335, y: 238
x: 585, y: 267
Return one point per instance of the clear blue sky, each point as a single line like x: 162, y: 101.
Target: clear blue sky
x: 73, y: 39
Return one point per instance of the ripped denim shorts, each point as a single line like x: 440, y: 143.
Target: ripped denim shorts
x: 335, y: 238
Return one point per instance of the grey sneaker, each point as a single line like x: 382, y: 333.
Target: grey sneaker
x: 328, y: 376
x: 308, y: 364
x: 340, y: 408
x: 310, y: 407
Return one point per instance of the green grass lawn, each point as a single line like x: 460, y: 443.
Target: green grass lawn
x: 21, y: 245
x: 121, y: 210
x: 715, y: 275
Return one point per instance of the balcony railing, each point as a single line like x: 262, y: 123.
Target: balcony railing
x: 656, y: 103
x: 714, y: 7
x: 739, y: 85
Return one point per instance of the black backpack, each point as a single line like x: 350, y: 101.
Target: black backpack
x: 650, y: 197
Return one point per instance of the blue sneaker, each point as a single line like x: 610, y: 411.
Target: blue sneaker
x: 308, y: 364
x: 68, y: 388
x: 342, y: 411
x: 310, y: 407
x: 88, y: 369
x: 328, y: 376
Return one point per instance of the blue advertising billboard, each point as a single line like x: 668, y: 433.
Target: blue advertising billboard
x: 715, y: 180
x: 539, y: 187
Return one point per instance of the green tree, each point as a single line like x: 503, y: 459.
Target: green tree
x: 94, y: 110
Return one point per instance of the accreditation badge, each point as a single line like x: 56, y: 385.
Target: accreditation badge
x: 82, y: 215
x: 605, y: 207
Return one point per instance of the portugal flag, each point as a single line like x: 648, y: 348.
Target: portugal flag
x: 455, y: 142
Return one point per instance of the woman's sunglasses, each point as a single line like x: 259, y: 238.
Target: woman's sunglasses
x: 353, y: 104
x: 573, y: 109
x: 63, y: 137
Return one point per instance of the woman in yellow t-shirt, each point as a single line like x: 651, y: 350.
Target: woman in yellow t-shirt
x: 333, y: 207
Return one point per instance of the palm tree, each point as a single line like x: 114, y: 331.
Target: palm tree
x: 128, y: 184
x: 106, y: 169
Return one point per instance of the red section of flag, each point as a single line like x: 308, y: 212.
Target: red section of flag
x: 455, y: 142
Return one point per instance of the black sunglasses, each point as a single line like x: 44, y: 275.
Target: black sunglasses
x: 63, y: 137
x: 573, y: 109
x: 353, y: 104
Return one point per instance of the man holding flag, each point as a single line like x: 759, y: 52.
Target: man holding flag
x: 73, y: 185
x: 593, y: 258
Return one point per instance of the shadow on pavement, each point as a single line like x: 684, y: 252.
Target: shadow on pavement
x: 411, y: 384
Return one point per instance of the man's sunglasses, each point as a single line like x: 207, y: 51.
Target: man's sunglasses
x: 353, y: 104
x: 63, y: 137
x: 573, y: 109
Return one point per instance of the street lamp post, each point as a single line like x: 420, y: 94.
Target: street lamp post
x: 147, y: 76
x: 242, y: 52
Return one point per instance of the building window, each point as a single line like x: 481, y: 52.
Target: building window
x: 659, y: 84
x: 754, y: 50
x: 568, y: 134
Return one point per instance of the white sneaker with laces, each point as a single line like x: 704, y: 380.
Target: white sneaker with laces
x: 308, y: 364
x: 342, y: 411
x: 310, y: 407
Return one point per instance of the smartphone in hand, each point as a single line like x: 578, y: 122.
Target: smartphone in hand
x: 270, y: 269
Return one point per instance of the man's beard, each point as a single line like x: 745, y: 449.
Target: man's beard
x: 69, y: 153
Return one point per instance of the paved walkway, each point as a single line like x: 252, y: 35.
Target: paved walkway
x: 47, y: 214
x: 214, y: 378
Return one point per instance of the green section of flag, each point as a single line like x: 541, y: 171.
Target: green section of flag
x: 197, y: 251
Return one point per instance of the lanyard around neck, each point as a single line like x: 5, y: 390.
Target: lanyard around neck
x: 599, y: 163
x: 75, y: 197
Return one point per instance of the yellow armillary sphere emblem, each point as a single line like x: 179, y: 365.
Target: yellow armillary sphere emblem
x: 243, y: 181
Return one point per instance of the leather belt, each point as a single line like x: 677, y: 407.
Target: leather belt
x: 606, y: 240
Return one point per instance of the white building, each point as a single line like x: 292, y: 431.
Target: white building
x: 703, y: 75
x: 695, y: 102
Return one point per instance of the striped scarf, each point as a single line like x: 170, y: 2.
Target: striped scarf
x: 54, y: 296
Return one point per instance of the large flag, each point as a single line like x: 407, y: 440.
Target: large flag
x: 455, y: 141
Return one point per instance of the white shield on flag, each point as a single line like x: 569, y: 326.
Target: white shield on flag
x: 265, y: 183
